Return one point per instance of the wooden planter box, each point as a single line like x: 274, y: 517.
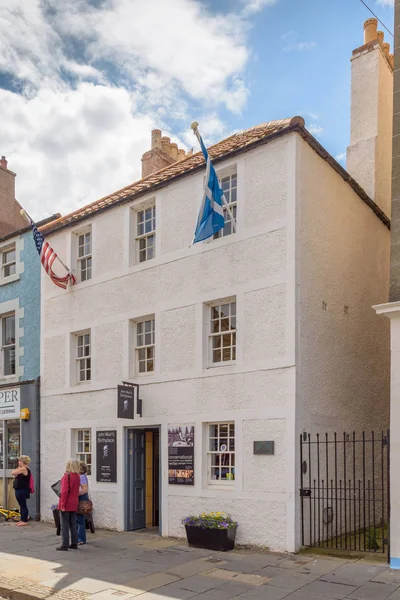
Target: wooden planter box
x: 211, y: 539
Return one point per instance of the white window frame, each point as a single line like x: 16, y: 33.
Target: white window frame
x: 85, y: 261
x: 221, y: 333
x: 80, y: 452
x: 227, y: 458
x: 3, y: 265
x: 144, y: 236
x: 147, y: 348
x: 229, y: 191
x: 5, y: 347
x: 82, y: 359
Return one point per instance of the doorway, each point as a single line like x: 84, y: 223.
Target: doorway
x: 142, y: 479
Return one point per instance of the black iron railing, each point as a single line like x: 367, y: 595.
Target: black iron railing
x: 345, y: 501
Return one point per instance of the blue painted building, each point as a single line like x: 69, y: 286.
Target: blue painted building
x: 19, y: 343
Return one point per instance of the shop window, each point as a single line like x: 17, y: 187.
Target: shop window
x: 13, y: 437
x: 1, y: 445
x: 222, y: 333
x: 84, y: 447
x: 8, y: 344
x: 221, y: 453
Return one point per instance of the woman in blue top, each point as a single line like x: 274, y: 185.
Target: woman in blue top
x: 83, y: 495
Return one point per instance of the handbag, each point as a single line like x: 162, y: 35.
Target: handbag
x: 85, y: 507
x: 56, y: 487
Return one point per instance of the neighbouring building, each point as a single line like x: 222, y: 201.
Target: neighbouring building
x: 20, y: 343
x: 238, y: 344
x: 391, y: 309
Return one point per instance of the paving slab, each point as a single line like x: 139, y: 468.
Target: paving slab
x: 353, y: 574
x: 197, y: 583
x: 235, y: 588
x: 292, y: 580
x: 373, y: 591
x: 388, y: 576
x: 322, y: 590
x: 163, y: 593
x: 266, y: 592
x: 151, y: 582
x: 193, y: 567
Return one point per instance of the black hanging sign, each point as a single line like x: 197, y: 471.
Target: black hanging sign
x: 181, y: 454
x: 126, y: 402
x: 106, y: 456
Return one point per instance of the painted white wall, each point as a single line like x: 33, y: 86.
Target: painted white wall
x: 285, y: 192
x: 257, y: 393
x: 343, y: 260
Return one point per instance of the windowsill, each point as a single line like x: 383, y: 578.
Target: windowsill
x: 9, y: 379
x: 228, y: 363
x: 220, y: 486
x: 11, y: 279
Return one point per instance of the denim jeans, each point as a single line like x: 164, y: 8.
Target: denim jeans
x: 81, y: 522
x: 22, y: 496
x: 68, y: 523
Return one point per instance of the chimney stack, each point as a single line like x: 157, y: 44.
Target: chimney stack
x: 3, y: 162
x: 162, y: 153
x: 369, y: 155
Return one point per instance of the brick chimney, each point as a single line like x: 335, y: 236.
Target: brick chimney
x: 162, y: 153
x: 10, y: 218
x: 369, y: 156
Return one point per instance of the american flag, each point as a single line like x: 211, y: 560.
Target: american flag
x: 47, y: 258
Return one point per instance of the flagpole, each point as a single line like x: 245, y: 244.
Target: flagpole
x: 196, y: 132
x: 24, y: 214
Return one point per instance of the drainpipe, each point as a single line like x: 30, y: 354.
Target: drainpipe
x: 37, y: 481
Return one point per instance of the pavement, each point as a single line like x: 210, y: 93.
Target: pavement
x: 126, y: 566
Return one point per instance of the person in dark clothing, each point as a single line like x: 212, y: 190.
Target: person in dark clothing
x: 68, y: 505
x: 21, y: 485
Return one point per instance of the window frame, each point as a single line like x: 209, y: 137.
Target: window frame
x: 4, y: 250
x: 232, y: 204
x: 231, y: 467
x: 137, y: 348
x: 84, y: 262
x: 211, y: 335
x: 145, y: 235
x: 82, y: 455
x: 4, y: 346
x: 84, y: 358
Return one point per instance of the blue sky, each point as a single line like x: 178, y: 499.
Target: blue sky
x: 83, y: 82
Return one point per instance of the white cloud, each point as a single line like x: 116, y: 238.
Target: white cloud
x: 89, y: 83
x: 253, y: 7
x: 385, y: 2
x: 341, y: 157
x: 291, y: 43
x: 314, y: 129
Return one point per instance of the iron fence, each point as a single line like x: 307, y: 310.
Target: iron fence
x: 345, y: 501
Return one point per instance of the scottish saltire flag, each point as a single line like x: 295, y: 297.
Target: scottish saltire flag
x: 211, y: 214
x: 48, y: 256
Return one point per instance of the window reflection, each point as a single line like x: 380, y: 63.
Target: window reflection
x: 13, y: 435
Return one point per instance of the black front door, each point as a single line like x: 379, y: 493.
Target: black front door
x: 135, y: 512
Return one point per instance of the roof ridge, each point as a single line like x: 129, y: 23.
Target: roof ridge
x: 234, y: 142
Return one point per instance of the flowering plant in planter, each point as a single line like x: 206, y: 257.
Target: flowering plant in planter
x: 214, y: 531
x: 213, y: 520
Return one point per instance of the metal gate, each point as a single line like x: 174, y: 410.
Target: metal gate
x: 345, y: 501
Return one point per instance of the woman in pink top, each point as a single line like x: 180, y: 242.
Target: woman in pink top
x: 68, y: 505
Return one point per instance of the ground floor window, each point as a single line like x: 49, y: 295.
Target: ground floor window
x: 83, y: 443
x: 221, y: 453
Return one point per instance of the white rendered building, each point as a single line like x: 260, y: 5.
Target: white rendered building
x: 256, y: 336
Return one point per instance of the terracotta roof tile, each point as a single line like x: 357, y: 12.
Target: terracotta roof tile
x: 235, y: 142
